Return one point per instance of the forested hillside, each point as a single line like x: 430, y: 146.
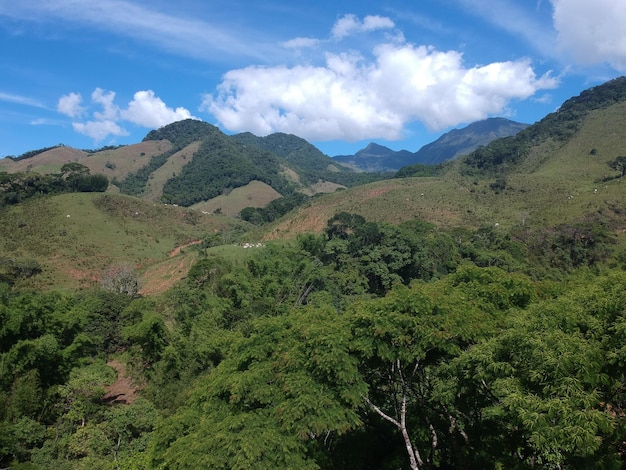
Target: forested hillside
x: 465, y: 316
x: 370, y: 346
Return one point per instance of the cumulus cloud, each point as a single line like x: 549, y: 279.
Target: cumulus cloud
x: 353, y: 98
x: 592, y: 32
x: 110, y: 111
x: 71, y: 105
x: 350, y: 24
x: 145, y: 109
x: 99, y: 130
x: 148, y: 110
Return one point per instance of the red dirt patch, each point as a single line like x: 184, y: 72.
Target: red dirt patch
x: 178, y: 249
x: 159, y: 278
x: 123, y: 390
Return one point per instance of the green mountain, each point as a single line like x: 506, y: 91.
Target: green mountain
x: 561, y: 170
x: 305, y: 159
x: 191, y: 162
x: 565, y: 170
x: 450, y: 145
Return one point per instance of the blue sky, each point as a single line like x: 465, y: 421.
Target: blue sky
x: 338, y: 73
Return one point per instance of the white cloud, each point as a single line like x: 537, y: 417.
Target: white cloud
x: 592, y: 32
x: 110, y: 111
x: 300, y: 43
x: 350, y: 24
x: 145, y: 109
x: 351, y: 98
x: 70, y: 105
x: 99, y: 130
x: 148, y: 110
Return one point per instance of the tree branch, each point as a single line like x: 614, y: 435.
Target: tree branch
x: 381, y: 413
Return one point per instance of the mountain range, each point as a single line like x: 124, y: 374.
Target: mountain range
x: 450, y: 145
x: 561, y: 171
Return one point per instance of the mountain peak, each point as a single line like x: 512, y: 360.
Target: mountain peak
x: 450, y: 145
x: 374, y: 150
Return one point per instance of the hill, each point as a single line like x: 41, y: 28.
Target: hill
x: 460, y: 142
x: 76, y: 237
x: 377, y: 157
x: 191, y: 162
x: 560, y: 170
x: 450, y: 145
x: 487, y: 298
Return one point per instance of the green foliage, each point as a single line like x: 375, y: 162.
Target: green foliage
x: 274, y: 210
x: 282, y: 390
x: 220, y: 165
x: 308, y: 162
x: 18, y: 187
x: 15, y: 269
x: 135, y: 183
x: 182, y: 133
x: 419, y: 170
x: 51, y: 383
x: 546, y: 380
x: 619, y: 164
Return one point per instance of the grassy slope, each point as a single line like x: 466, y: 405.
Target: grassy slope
x: 102, y: 229
x: 254, y: 194
x: 125, y: 160
x: 174, y: 164
x: 554, y: 185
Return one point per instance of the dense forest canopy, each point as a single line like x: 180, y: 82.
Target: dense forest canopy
x: 369, y: 346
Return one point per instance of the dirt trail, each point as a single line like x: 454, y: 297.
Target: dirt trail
x: 178, y: 249
x: 162, y: 276
x: 123, y: 390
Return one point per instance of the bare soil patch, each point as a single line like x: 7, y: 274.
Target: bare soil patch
x: 123, y: 390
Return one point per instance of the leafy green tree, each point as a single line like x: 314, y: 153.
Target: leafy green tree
x: 400, y: 341
x: 548, y: 382
x: 272, y: 402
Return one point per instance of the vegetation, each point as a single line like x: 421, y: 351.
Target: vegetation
x: 32, y: 153
x: 220, y: 165
x: 371, y: 346
x: 371, y: 343
x: 419, y: 169
x: 135, y: 183
x: 309, y: 163
x: 74, y: 177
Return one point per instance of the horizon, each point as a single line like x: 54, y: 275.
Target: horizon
x: 339, y: 76
x: 366, y: 145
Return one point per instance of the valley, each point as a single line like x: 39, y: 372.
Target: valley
x: 263, y: 305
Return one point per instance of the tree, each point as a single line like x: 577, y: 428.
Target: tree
x: 549, y: 381
x: 121, y: 279
x: 619, y: 164
x: 404, y: 339
x: 72, y: 172
x: 281, y: 394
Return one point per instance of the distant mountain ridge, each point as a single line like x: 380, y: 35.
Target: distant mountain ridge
x: 191, y: 162
x: 450, y: 145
